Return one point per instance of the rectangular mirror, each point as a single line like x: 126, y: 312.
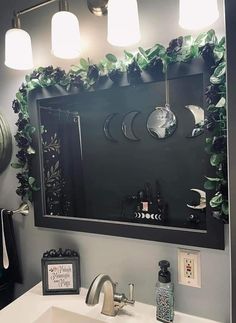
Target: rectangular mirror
x: 119, y: 161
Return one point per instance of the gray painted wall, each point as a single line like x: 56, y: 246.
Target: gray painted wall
x: 125, y: 260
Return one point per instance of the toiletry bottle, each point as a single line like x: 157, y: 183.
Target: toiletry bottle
x: 164, y: 294
x: 161, y: 205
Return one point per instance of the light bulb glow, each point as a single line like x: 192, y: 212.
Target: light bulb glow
x: 123, y: 22
x: 65, y: 35
x: 197, y: 14
x: 18, y: 50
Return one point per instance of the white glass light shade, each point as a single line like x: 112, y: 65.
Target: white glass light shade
x: 123, y: 22
x: 18, y: 49
x: 197, y: 14
x: 65, y: 35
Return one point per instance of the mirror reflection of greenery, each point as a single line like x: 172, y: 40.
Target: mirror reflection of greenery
x: 85, y: 76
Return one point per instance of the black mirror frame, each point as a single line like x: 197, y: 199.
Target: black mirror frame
x: 213, y: 237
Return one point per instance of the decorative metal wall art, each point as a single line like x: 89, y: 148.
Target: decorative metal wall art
x: 5, y: 144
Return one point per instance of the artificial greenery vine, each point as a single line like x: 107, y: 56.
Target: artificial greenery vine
x: 85, y: 76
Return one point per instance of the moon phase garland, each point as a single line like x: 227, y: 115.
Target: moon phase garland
x: 84, y: 77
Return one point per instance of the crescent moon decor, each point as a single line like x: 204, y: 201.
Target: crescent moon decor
x: 106, y: 127
x: 202, y: 203
x: 198, y: 114
x: 127, y: 125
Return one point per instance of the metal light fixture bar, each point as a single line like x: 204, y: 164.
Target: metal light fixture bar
x: 39, y: 5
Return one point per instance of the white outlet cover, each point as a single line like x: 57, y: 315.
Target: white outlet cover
x: 189, y: 268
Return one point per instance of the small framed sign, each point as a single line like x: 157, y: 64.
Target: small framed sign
x: 60, y: 272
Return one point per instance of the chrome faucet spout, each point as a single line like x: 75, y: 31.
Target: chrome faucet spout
x: 92, y: 298
x: 112, y: 301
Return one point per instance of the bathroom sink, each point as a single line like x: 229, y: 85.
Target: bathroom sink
x: 59, y: 315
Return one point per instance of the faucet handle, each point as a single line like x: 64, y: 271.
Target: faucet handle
x: 131, y: 300
x: 115, y: 284
x: 131, y: 292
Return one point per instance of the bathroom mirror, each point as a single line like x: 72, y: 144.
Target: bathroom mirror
x: 102, y: 170
x: 5, y: 144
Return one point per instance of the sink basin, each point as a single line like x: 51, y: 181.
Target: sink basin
x: 59, y: 315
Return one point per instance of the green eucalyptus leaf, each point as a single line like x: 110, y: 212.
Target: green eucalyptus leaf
x: 211, y: 37
x: 128, y: 55
x: 142, y: 62
x: 27, y: 78
x: 31, y: 180
x: 218, y: 53
x: 84, y: 64
x: 217, y: 200
x: 213, y: 179
x: 19, y: 97
x: 16, y: 165
x: 219, y: 74
x: 143, y: 53
x: 222, y: 42
x: 209, y: 140
x: 188, y: 40
x: 75, y: 68
x: 111, y: 58
x: 156, y: 51
x: 225, y: 208
x: 216, y: 159
x: 209, y: 185
x: 201, y: 39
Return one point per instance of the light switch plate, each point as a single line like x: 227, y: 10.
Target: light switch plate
x: 189, y: 268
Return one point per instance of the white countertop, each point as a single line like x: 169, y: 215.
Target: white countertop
x: 30, y: 306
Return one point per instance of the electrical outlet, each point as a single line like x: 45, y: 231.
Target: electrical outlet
x: 189, y: 268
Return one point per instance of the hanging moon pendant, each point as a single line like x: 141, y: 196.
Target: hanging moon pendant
x: 162, y: 122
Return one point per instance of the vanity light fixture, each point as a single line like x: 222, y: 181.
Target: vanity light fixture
x: 18, y: 50
x: 65, y: 33
x: 123, y: 23
x: 65, y: 37
x: 98, y: 7
x: 197, y: 14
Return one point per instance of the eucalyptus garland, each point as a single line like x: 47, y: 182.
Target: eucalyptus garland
x: 85, y: 76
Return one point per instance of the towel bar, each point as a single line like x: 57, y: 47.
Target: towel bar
x: 23, y: 209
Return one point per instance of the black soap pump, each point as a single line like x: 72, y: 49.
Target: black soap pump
x: 164, y: 294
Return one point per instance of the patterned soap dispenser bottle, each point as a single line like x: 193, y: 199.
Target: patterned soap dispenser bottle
x: 164, y: 294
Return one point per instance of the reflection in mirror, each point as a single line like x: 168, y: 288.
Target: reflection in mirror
x: 91, y: 170
x: 162, y: 122
x: 62, y: 162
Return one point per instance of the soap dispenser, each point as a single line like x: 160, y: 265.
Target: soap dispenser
x: 164, y: 294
